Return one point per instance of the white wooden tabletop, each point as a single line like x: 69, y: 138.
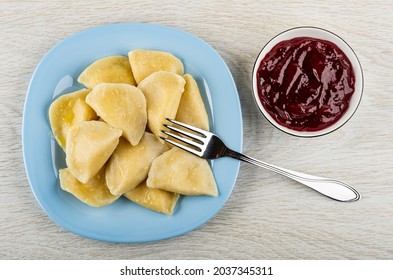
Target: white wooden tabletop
x: 267, y: 216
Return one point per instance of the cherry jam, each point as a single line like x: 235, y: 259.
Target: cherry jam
x: 305, y: 84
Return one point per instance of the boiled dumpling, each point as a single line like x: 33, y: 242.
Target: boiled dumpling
x: 68, y: 110
x: 163, y: 91
x: 122, y: 106
x: 89, y: 146
x: 191, y: 108
x: 146, y: 62
x: 154, y: 199
x: 129, y: 165
x: 94, y: 192
x: 111, y: 69
x: 181, y: 172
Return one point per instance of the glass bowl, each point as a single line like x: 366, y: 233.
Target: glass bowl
x: 322, y: 34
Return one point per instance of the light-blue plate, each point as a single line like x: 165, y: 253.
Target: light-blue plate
x: 124, y: 221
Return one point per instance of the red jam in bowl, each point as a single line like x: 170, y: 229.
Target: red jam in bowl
x: 305, y: 84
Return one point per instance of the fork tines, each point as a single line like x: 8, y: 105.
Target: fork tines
x: 194, y: 137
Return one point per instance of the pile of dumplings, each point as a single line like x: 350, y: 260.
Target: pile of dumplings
x: 110, y: 132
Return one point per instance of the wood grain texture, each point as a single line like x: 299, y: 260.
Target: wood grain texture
x: 267, y: 216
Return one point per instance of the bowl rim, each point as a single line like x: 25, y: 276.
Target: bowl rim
x: 351, y: 55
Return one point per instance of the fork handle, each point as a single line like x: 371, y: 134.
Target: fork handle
x: 331, y: 188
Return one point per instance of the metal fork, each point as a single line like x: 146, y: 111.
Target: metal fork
x: 207, y: 145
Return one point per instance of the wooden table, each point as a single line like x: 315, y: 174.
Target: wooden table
x: 267, y: 216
